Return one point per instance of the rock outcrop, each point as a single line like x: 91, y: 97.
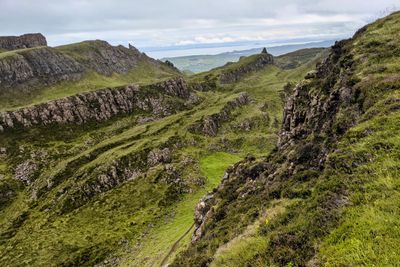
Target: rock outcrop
x: 104, y: 58
x: 329, y: 111
x: 27, y: 69
x: 100, y: 105
x: 45, y: 65
x: 211, y: 124
x: 23, y: 41
x: 232, y: 76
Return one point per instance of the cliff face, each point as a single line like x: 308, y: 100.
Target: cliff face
x: 45, y: 65
x: 99, y: 105
x: 41, y: 66
x: 211, y: 124
x: 259, y: 63
x: 103, y: 57
x: 23, y: 41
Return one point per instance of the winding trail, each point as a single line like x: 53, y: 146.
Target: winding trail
x: 175, y: 246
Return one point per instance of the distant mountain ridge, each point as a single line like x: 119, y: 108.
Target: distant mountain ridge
x: 201, y: 63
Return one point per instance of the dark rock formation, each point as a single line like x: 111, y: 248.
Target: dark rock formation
x: 23, y: 41
x: 104, y: 58
x: 100, y: 105
x: 45, y: 65
x: 232, y: 76
x: 211, y: 124
x: 319, y: 112
x: 25, y: 171
x: 202, y: 211
x: 40, y: 66
x: 159, y: 156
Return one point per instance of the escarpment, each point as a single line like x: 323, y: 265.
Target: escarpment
x: 104, y: 58
x: 316, y: 116
x: 34, y: 68
x: 23, y: 41
x: 101, y: 105
x: 232, y: 76
x: 211, y: 124
x: 45, y: 65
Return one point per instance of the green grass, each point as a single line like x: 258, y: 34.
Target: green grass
x: 142, y: 74
x: 11, y: 53
x: 369, y: 233
x: 214, y: 166
x: 137, y: 222
x: 346, y: 214
x: 161, y: 239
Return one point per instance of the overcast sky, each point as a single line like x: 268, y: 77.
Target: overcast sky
x: 151, y: 23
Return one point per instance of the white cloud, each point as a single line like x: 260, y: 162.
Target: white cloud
x: 184, y: 22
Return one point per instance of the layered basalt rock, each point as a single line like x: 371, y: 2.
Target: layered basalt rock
x: 211, y: 124
x: 232, y: 76
x: 104, y: 58
x: 28, y: 69
x: 23, y: 41
x: 45, y: 65
x: 100, y: 105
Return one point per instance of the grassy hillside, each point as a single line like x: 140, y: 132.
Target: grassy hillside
x: 145, y: 71
x: 71, y: 215
x: 331, y: 196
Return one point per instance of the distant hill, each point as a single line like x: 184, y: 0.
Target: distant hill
x: 33, y: 72
x: 200, y: 63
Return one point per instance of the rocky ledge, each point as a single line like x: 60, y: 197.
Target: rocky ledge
x: 259, y: 63
x: 23, y: 41
x: 211, y: 124
x: 45, y: 65
x: 101, y: 105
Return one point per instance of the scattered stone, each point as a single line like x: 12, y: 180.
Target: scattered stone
x: 24, y: 172
x: 159, y: 156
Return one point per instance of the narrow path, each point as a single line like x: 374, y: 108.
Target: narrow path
x: 175, y: 246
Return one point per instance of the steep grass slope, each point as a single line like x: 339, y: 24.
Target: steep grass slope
x: 122, y: 191
x: 328, y: 195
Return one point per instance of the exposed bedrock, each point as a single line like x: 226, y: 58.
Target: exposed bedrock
x: 102, y: 105
x: 24, y: 41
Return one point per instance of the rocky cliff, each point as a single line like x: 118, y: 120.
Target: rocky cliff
x: 44, y: 65
x: 41, y: 66
x: 104, y: 58
x: 100, y: 105
x: 23, y: 41
x: 211, y: 124
x: 261, y: 60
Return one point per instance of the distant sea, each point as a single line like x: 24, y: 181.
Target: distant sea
x: 214, y: 49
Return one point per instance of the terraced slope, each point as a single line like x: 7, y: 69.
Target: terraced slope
x: 122, y: 191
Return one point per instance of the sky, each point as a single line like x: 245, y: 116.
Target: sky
x: 162, y: 25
